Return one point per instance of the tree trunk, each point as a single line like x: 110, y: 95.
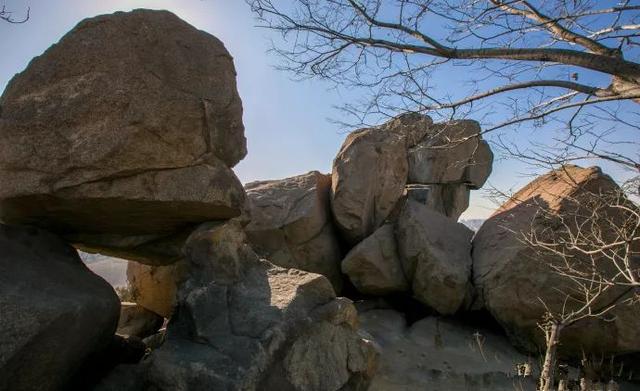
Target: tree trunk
x: 552, y: 336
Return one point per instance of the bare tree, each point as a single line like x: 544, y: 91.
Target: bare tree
x: 562, y: 62
x: 7, y: 16
x: 594, y: 245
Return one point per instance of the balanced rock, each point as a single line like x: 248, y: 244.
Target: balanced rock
x: 514, y: 279
x: 436, y: 256
x: 155, y: 287
x: 291, y: 224
x: 451, y: 153
x: 370, y: 172
x: 440, y: 354
x: 138, y: 321
x: 244, y: 324
x: 54, y: 312
x: 126, y: 126
x: 373, y: 265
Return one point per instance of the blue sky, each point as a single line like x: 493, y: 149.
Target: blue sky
x: 287, y: 122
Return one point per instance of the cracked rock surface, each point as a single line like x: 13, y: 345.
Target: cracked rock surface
x: 242, y: 323
x: 291, y: 224
x: 129, y: 125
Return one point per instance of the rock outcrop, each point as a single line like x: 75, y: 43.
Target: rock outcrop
x: 436, y: 257
x: 54, y: 312
x: 127, y: 126
x: 245, y: 324
x: 441, y: 354
x: 155, y: 287
x: 291, y: 224
x: 514, y: 278
x: 434, y: 164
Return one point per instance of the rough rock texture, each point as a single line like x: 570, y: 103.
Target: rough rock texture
x: 436, y: 257
x: 373, y: 265
x: 440, y: 354
x: 368, y: 178
x: 155, y: 287
x: 127, y: 126
x: 291, y: 224
x: 245, y: 324
x: 138, y: 321
x: 510, y: 276
x: 54, y: 312
x: 450, y: 154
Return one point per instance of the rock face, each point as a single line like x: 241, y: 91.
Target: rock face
x: 434, y: 164
x: 245, y: 324
x: 54, y: 311
x: 440, y: 354
x: 138, y: 321
x: 451, y: 153
x: 291, y: 224
x: 127, y: 126
x: 155, y: 287
x: 436, y: 257
x: 368, y: 178
x: 373, y: 265
x: 510, y: 276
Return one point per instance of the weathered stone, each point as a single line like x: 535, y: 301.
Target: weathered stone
x: 513, y: 279
x: 246, y: 324
x: 410, y: 126
x: 368, y: 178
x: 152, y: 249
x: 441, y: 354
x: 138, y: 321
x: 155, y: 287
x: 451, y: 153
x: 126, y: 126
x: 436, y: 257
x: 54, y: 312
x: 373, y: 265
x: 449, y: 200
x: 290, y: 224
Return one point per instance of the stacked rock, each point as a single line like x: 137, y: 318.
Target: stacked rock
x: 397, y: 192
x: 121, y: 139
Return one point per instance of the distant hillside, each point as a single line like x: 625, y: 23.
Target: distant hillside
x: 113, y: 270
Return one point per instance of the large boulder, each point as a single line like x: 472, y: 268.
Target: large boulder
x: 54, y: 312
x: 373, y: 265
x: 441, y: 354
x: 515, y: 280
x: 436, y: 256
x: 370, y: 172
x: 128, y: 125
x: 291, y: 224
x: 155, y: 287
x: 245, y: 324
x: 451, y: 153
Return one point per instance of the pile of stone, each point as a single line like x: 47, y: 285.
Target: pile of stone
x: 121, y: 139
